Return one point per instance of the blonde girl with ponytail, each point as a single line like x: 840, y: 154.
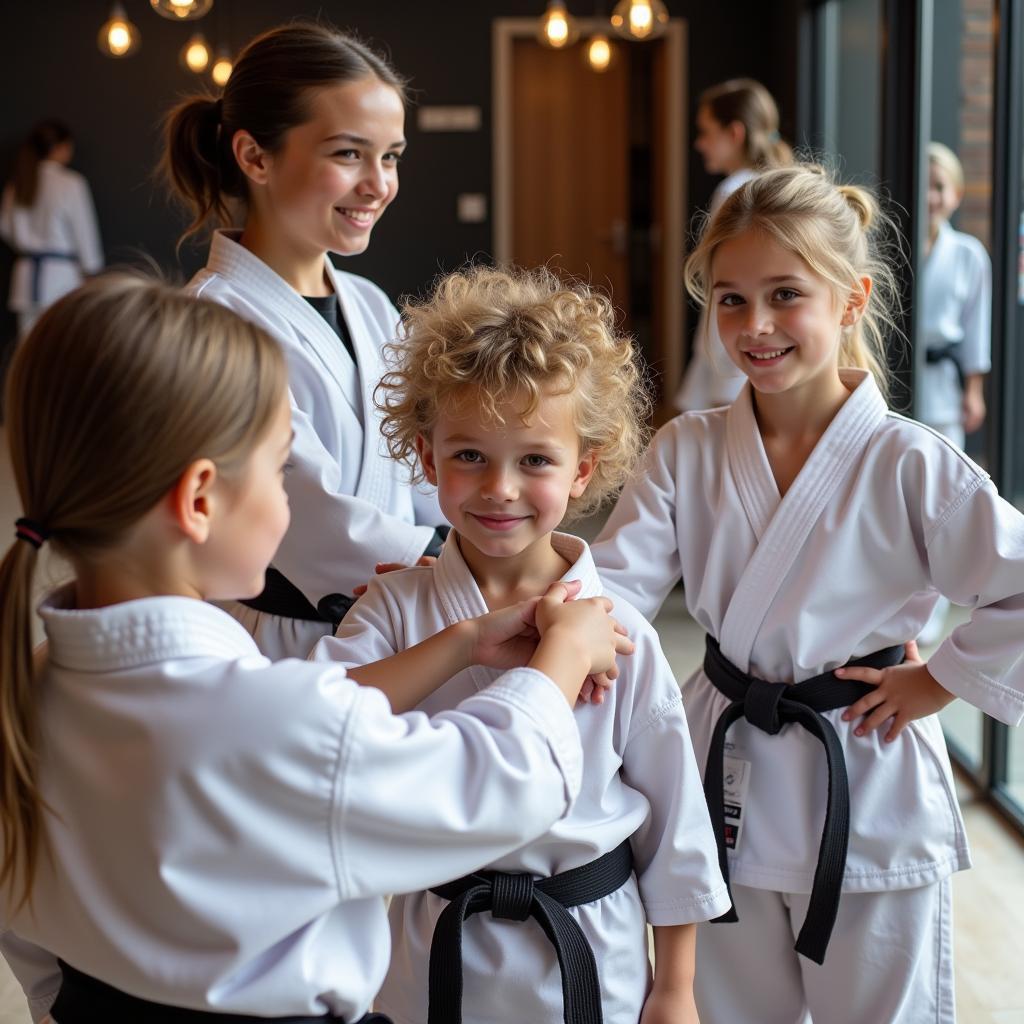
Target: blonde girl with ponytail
x: 813, y: 530
x: 737, y: 136
x: 296, y: 160
x: 190, y: 832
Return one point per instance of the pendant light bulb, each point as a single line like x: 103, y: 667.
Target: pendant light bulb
x: 599, y: 53
x: 118, y: 37
x: 557, y: 27
x: 181, y: 10
x: 195, y: 54
x: 640, y: 19
x: 222, y: 68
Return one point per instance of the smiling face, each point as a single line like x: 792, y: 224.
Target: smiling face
x: 335, y: 174
x: 505, y: 487
x: 780, y: 323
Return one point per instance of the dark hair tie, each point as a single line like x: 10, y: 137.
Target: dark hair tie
x: 31, y: 531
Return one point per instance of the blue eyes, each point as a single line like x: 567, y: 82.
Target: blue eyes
x: 474, y: 458
x: 731, y: 299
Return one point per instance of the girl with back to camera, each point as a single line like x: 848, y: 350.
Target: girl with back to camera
x: 515, y: 395
x: 738, y: 136
x: 198, y: 834
x: 48, y: 218
x: 813, y: 530
x: 306, y: 141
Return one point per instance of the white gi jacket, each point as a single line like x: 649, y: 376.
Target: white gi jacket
x: 640, y: 782
x: 62, y: 220
x: 955, y: 308
x: 226, y: 828
x: 352, y: 505
x: 884, y: 514
x: 711, y: 377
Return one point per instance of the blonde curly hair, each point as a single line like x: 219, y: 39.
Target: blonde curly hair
x: 514, y: 335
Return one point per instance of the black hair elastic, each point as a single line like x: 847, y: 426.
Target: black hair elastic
x: 31, y: 531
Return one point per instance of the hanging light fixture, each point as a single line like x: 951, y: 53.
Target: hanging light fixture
x: 118, y: 37
x: 599, y: 53
x: 557, y: 27
x: 181, y: 10
x: 640, y: 19
x: 195, y: 54
x: 222, y: 68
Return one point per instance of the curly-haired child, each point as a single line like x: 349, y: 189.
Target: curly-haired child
x: 513, y: 393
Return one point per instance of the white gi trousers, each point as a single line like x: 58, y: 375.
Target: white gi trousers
x: 889, y: 961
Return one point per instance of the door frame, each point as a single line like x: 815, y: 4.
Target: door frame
x: 669, y: 348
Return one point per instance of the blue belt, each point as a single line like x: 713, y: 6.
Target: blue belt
x: 36, y: 258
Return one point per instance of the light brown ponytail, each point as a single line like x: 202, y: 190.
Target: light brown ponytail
x: 117, y: 389
x: 748, y: 102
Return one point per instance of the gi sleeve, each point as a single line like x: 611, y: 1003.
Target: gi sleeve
x: 637, y: 552
x: 674, y: 851
x: 371, y: 631
x: 336, y: 540
x: 976, y: 558
x: 36, y: 971
x: 975, y: 350
x: 419, y: 801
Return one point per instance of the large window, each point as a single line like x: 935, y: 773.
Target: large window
x: 880, y: 80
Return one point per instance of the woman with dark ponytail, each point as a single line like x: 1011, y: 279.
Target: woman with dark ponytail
x: 47, y: 217
x: 302, y: 152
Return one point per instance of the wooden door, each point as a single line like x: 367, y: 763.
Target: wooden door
x: 570, y: 166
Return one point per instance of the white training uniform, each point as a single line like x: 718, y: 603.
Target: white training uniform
x: 640, y: 782
x: 225, y: 829
x: 955, y: 309
x: 712, y: 378
x: 62, y: 220
x: 352, y: 505
x: 884, y: 514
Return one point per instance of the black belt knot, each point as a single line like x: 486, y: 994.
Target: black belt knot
x: 516, y: 897
x: 769, y: 706
x: 761, y: 705
x: 511, y: 896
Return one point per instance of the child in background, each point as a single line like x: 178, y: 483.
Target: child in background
x: 514, y: 395
x: 814, y: 529
x: 187, y: 826
x: 738, y: 136
x: 955, y: 323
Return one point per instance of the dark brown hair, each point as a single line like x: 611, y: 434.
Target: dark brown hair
x: 41, y: 142
x: 751, y: 104
x: 267, y: 95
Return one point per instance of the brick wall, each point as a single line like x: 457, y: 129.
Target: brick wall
x: 976, y: 96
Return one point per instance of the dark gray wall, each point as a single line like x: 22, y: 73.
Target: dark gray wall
x: 51, y: 66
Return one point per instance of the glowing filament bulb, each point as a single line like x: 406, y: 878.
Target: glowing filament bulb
x: 119, y: 39
x: 196, y: 54
x: 557, y: 29
x: 221, y: 71
x: 599, y: 53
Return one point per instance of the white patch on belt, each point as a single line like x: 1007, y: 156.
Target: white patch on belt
x: 736, y: 780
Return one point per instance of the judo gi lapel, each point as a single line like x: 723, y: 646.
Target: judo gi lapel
x: 273, y: 297
x: 783, y: 526
x: 373, y: 485
x: 460, y: 596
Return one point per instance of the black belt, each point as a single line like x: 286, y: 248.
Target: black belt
x: 281, y: 597
x: 769, y: 706
x: 516, y: 897
x: 36, y: 259
x: 951, y: 352
x: 84, y: 1000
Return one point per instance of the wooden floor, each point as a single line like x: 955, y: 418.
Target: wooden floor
x: 989, y: 900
